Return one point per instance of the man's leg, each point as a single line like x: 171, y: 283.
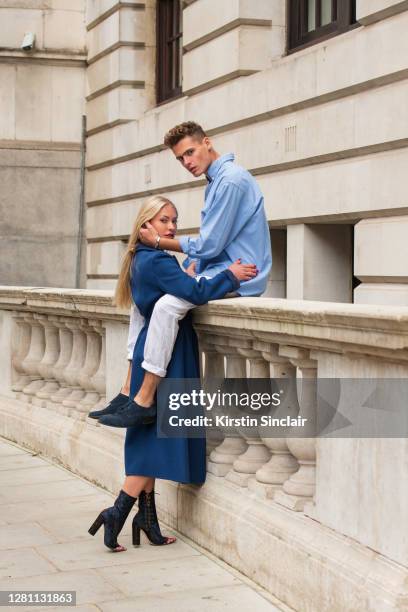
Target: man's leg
x: 160, y: 339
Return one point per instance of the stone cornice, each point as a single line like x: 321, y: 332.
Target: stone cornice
x: 379, y: 331
x: 68, y: 302
x: 346, y: 328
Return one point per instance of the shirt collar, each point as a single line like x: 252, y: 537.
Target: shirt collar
x: 213, y: 168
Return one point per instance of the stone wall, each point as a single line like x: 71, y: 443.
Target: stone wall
x: 41, y: 108
x: 323, y: 129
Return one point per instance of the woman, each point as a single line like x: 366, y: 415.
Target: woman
x: 145, y: 276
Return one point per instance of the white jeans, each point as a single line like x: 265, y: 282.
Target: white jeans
x: 162, y: 332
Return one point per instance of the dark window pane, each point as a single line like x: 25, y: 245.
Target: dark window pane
x: 169, y: 48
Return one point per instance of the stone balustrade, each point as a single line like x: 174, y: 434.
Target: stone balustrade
x: 312, y: 510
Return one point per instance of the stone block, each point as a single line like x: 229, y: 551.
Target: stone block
x: 319, y: 262
x: 207, y: 16
x: 104, y: 257
x: 369, y: 11
x: 67, y: 103
x: 390, y: 294
x: 242, y: 49
x: 64, y: 29
x: 124, y: 26
x: 381, y: 249
x: 123, y: 64
x: 121, y: 104
x: 15, y: 23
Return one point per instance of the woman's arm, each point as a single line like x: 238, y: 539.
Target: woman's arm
x: 173, y: 280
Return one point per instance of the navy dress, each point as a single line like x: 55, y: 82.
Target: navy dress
x: 153, y: 274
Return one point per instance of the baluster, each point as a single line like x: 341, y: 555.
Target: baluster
x: 50, y: 358
x: 256, y: 454
x: 224, y: 455
x: 282, y: 464
x: 98, y: 380
x: 213, y: 371
x: 34, y: 356
x: 66, y: 343
x: 92, y: 360
x: 76, y: 363
x: 21, y: 351
x: 299, y: 489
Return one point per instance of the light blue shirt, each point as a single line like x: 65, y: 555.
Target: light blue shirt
x: 233, y: 225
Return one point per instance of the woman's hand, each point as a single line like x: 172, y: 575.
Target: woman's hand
x: 243, y: 272
x: 148, y: 235
x: 191, y: 269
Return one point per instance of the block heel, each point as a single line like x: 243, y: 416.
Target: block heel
x: 135, y: 534
x: 96, y: 525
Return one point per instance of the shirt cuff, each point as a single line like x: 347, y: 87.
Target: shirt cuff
x: 235, y: 282
x: 183, y: 240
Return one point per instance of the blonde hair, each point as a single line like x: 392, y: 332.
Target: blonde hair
x: 149, y: 209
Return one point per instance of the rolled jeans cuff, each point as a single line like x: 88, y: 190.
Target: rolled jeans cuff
x: 154, y: 369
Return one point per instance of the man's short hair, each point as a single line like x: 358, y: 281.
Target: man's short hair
x: 188, y: 128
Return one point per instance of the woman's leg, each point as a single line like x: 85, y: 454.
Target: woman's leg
x: 146, y: 517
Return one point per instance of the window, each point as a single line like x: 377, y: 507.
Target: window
x: 313, y: 20
x: 169, y: 49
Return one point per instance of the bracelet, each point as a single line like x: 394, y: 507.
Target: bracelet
x: 156, y: 246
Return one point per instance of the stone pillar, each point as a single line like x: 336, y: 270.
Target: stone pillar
x: 213, y: 370
x: 50, y: 358
x: 66, y: 342
x: 222, y: 457
x: 282, y: 464
x: 21, y: 351
x: 74, y: 368
x: 91, y: 365
x: 98, y: 380
x: 380, y: 261
x: 319, y: 262
x: 256, y: 454
x: 34, y: 356
x: 299, y: 489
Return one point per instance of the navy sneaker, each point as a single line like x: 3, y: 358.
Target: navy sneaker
x: 118, y: 402
x: 133, y: 414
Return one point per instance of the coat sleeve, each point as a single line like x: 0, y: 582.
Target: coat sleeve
x: 171, y: 279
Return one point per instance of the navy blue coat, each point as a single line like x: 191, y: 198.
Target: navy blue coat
x: 153, y: 274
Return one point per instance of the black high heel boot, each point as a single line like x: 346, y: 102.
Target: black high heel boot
x: 147, y: 521
x: 113, y: 519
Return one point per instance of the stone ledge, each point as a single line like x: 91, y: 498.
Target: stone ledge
x: 303, y: 563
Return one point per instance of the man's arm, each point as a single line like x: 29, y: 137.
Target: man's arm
x: 221, y: 224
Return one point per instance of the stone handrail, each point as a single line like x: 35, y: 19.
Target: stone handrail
x: 63, y: 351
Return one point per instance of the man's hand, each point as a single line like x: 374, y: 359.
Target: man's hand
x: 148, y: 235
x: 191, y: 269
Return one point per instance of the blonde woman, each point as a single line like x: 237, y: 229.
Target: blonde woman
x: 146, y: 275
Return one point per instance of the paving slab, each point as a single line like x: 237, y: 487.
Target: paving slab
x: 89, y: 586
x: 45, y: 492
x: 91, y: 553
x: 24, y: 535
x: 14, y: 462
x: 167, y: 575
x: 220, y: 599
x: 34, y: 475
x: 24, y: 562
x: 45, y: 513
x: 67, y: 507
x: 6, y: 450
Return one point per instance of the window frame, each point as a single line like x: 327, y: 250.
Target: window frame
x: 168, y: 49
x: 299, y: 37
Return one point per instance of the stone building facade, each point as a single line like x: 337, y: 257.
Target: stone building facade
x: 41, y: 108
x: 323, y: 126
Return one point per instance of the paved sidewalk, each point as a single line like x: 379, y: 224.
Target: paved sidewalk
x: 45, y: 512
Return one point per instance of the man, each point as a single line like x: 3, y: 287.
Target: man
x: 233, y: 226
